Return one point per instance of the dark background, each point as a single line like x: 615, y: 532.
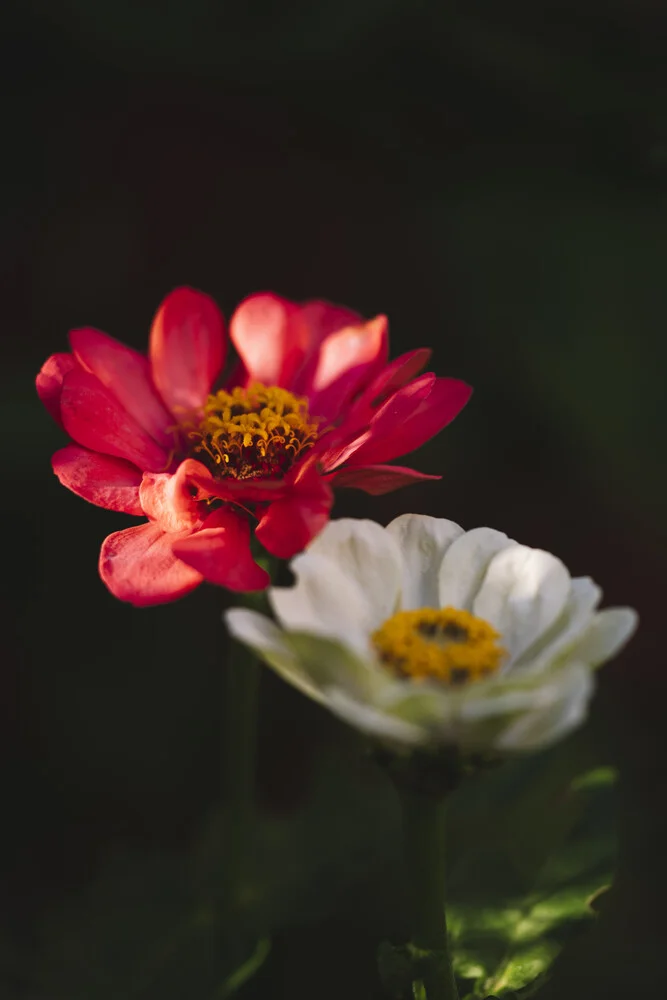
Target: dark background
x: 492, y: 177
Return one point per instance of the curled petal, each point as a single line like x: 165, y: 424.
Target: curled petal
x: 187, y: 349
x: 220, y: 551
x: 139, y: 566
x: 347, y: 360
x: 410, y: 417
x: 271, y: 338
x: 324, y: 318
x: 168, y: 499
x: 102, y: 480
x: 126, y: 373
x: 291, y: 522
x: 93, y: 416
x: 321, y: 319
x: 377, y: 479
x: 49, y: 382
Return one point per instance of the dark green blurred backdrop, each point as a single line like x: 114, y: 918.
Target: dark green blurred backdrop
x: 491, y: 176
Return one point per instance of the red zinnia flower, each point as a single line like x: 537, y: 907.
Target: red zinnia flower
x: 313, y: 404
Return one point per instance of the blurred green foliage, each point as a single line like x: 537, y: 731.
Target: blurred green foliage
x: 505, y: 941
x: 530, y: 846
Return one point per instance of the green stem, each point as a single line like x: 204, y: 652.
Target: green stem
x: 240, y: 758
x: 424, y: 844
x: 240, y: 726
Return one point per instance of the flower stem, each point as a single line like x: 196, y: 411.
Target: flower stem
x: 424, y: 846
x: 240, y: 758
x: 239, y: 762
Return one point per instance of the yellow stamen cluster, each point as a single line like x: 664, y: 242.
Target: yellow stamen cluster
x: 447, y: 645
x: 252, y: 433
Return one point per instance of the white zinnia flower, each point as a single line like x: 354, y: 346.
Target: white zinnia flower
x: 422, y: 633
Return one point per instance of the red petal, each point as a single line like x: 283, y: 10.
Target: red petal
x: 290, y: 523
x: 234, y: 490
x: 49, y: 382
x: 335, y: 448
x: 167, y: 499
x: 94, y: 418
x: 324, y: 318
x: 377, y: 479
x: 271, y: 338
x: 126, y: 374
x: 187, y: 349
x: 410, y: 417
x: 396, y: 374
x: 220, y: 551
x: 107, y: 482
x: 139, y: 566
x: 347, y: 360
x: 321, y: 319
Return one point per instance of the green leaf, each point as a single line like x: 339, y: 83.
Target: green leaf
x: 518, y: 894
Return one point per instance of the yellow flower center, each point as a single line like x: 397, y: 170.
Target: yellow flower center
x: 252, y: 433
x: 450, y: 646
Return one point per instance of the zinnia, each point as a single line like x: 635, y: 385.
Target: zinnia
x: 313, y: 403
x: 422, y: 634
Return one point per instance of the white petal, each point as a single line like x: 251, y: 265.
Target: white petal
x: 546, y: 724
x: 431, y: 707
x: 562, y: 637
x: 524, y: 717
x: 324, y: 601
x: 371, y: 720
x: 330, y: 663
x: 522, y: 594
x: 496, y: 714
x: 609, y: 630
x: 366, y: 553
x: 465, y: 563
x: 423, y: 542
x: 269, y: 642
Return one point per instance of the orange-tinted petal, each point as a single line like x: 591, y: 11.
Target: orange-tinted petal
x: 139, y: 566
x: 271, y: 337
x: 347, y: 360
x: 49, y: 382
x: 324, y: 318
x: 126, y: 374
x: 102, y: 480
x: 187, y: 349
x: 167, y: 498
x: 220, y: 551
x: 93, y: 416
x: 321, y: 320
